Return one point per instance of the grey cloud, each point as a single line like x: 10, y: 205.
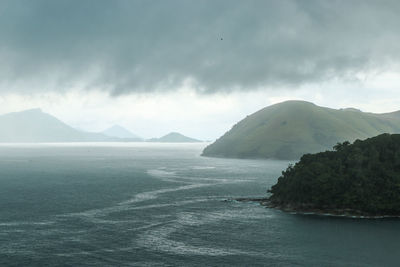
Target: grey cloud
x: 135, y: 46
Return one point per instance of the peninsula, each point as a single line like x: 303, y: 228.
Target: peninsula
x: 360, y: 179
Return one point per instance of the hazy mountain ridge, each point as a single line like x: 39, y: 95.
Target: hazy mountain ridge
x: 174, y: 137
x: 36, y: 126
x: 290, y: 129
x: 120, y: 132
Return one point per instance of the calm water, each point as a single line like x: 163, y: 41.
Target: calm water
x: 163, y: 205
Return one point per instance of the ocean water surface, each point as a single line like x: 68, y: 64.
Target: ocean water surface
x: 140, y: 204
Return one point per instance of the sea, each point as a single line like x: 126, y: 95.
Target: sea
x: 149, y: 204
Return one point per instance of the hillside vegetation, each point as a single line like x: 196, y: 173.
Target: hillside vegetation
x: 362, y: 178
x: 290, y: 129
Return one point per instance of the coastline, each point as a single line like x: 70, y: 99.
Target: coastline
x: 307, y: 210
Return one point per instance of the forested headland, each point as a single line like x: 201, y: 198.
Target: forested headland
x: 362, y: 178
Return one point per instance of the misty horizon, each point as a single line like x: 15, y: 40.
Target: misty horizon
x: 194, y: 67
x: 134, y: 134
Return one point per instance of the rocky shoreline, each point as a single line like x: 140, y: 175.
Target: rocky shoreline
x: 309, y: 210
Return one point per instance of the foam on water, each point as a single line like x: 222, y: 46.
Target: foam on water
x: 203, y: 167
x: 164, y: 175
x: 151, y: 205
x: 159, y: 240
x: 154, y: 194
x: 25, y: 223
x: 160, y: 172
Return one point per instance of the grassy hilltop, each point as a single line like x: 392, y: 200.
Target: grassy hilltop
x: 290, y: 129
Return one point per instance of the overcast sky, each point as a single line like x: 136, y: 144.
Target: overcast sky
x: 195, y: 66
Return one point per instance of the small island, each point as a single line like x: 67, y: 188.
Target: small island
x: 360, y: 179
x: 174, y: 137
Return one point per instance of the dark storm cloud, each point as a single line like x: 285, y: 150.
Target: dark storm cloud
x: 130, y: 46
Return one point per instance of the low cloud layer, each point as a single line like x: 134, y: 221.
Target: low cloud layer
x: 212, y: 45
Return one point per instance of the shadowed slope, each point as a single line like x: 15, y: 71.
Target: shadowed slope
x: 362, y: 179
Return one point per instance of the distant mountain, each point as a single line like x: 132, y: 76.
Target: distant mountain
x: 290, y: 129
x: 174, y: 138
x: 36, y: 126
x: 120, y: 132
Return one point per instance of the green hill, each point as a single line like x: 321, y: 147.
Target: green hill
x: 358, y: 179
x: 290, y: 129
